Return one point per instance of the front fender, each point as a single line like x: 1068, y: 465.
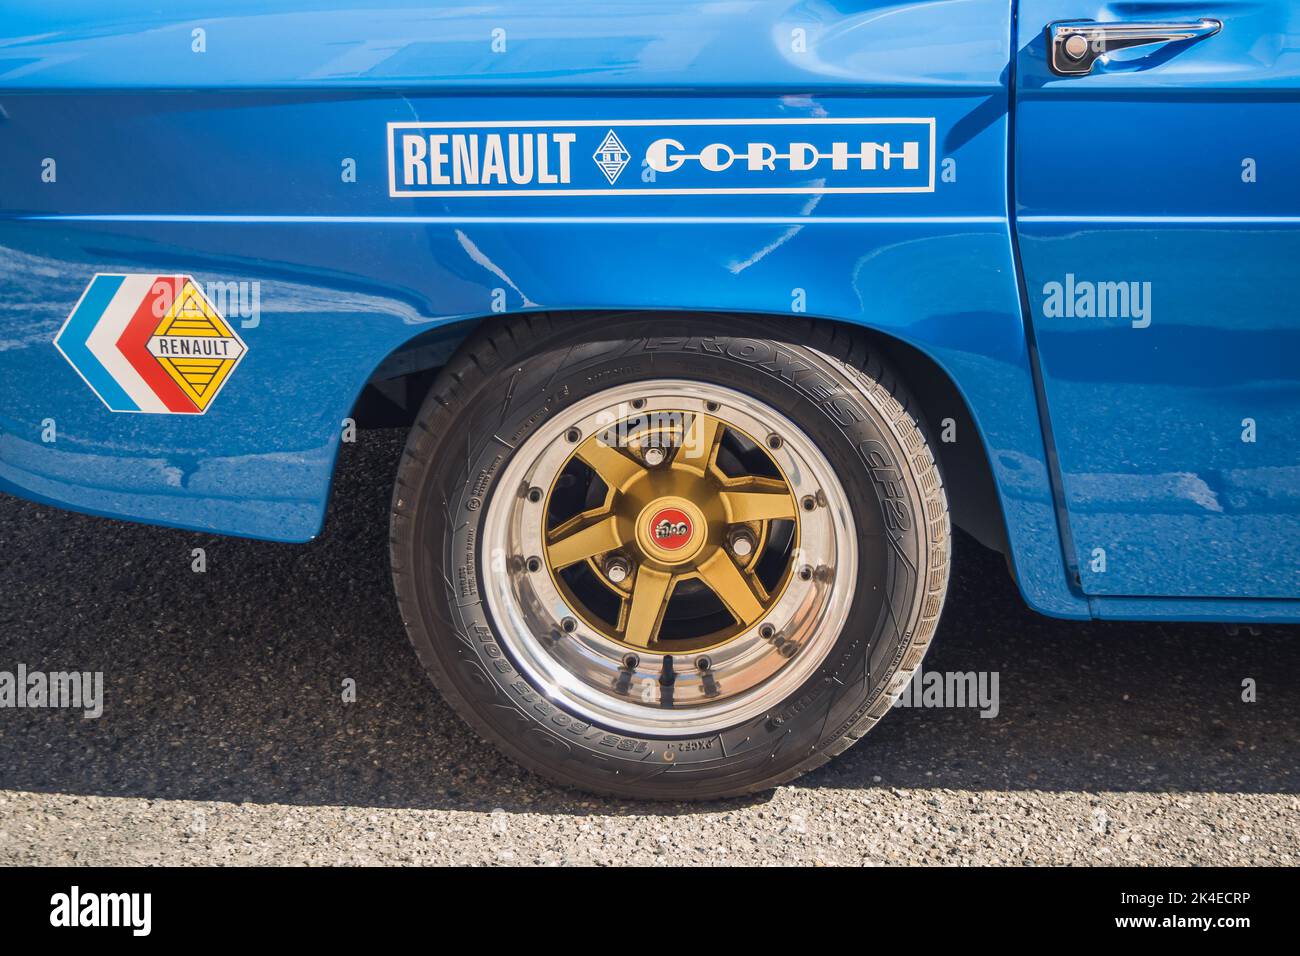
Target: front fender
x: 281, y: 176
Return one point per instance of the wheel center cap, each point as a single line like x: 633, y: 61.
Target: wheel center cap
x: 671, y: 530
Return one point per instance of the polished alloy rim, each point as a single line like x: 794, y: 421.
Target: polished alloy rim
x: 669, y: 558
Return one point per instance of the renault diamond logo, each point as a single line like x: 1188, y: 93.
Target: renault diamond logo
x: 611, y: 157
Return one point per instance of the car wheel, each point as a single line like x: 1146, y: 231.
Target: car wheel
x: 673, y: 557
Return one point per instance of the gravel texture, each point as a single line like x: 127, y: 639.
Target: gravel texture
x: 225, y: 738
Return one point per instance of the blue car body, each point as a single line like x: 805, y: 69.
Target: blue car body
x: 1102, y: 267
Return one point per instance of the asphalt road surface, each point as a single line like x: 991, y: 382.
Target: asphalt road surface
x: 225, y: 737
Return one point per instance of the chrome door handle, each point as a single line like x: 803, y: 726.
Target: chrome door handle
x: 1074, y: 45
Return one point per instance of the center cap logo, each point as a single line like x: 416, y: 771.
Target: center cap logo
x: 671, y: 529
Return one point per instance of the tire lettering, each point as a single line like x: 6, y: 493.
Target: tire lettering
x: 707, y: 345
x: 889, y: 479
x: 844, y: 412
x: 786, y: 365
x: 749, y: 350
x: 686, y: 746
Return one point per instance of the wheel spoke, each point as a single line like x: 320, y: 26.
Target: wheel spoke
x: 720, y: 573
x: 649, y: 598
x: 698, y: 442
x: 757, y: 505
x: 570, y: 547
x: 616, y: 469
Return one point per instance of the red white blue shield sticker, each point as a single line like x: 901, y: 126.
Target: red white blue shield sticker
x: 150, y: 343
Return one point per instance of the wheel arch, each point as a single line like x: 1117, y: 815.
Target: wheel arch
x: 398, y: 385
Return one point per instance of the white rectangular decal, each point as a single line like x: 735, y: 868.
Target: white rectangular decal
x: 662, y: 157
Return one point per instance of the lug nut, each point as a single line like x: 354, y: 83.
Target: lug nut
x: 617, y: 569
x: 742, y: 544
x: 653, y: 456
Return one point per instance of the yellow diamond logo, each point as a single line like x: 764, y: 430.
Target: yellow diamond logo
x: 195, y: 346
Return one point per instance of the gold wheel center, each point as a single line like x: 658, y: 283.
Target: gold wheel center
x: 671, y: 530
x: 673, y: 518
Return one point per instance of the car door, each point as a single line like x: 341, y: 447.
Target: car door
x: 1158, y: 219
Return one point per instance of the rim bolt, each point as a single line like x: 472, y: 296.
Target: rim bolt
x: 617, y: 569
x: 741, y: 543
x: 654, y: 456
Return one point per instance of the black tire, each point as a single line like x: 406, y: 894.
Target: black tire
x: 515, y: 374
